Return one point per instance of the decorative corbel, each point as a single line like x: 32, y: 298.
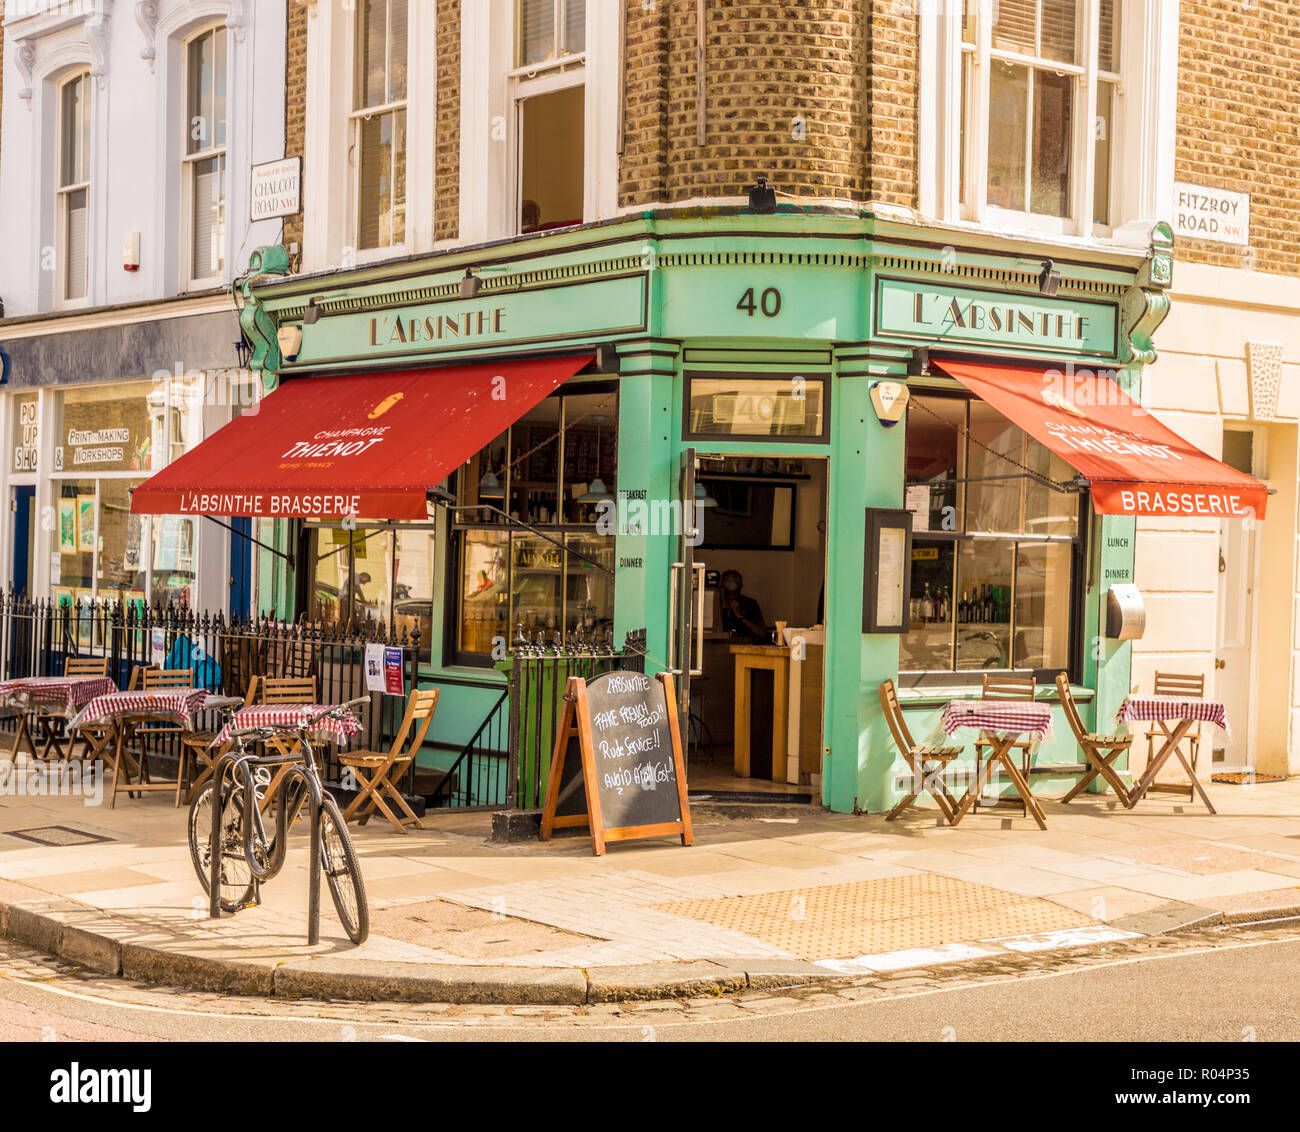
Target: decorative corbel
x: 257, y: 323
x: 25, y: 60
x: 146, y: 15
x: 1146, y: 304
x: 237, y: 19
x: 96, y: 27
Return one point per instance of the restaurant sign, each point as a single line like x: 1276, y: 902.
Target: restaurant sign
x: 941, y: 313
x: 543, y: 314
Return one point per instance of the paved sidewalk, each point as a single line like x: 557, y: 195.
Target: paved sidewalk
x: 797, y: 893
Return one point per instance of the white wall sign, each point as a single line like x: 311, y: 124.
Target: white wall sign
x: 1211, y: 214
x: 276, y: 189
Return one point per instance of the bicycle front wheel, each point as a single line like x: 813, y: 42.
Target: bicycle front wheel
x: 236, y: 880
x: 342, y: 873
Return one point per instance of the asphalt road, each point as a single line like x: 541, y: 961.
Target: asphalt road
x: 1244, y: 989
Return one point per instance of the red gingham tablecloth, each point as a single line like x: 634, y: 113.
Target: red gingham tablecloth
x: 291, y: 715
x: 1003, y: 717
x: 1149, y: 709
x: 178, y: 704
x: 69, y: 694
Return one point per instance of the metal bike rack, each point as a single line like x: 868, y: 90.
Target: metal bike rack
x: 296, y: 772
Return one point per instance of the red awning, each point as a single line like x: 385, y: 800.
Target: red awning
x: 1135, y: 464
x: 368, y: 445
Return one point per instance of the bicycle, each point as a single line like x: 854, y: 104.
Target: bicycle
x: 249, y: 853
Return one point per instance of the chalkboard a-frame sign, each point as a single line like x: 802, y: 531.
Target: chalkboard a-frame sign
x: 628, y: 779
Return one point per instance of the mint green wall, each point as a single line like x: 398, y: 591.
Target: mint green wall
x: 692, y: 267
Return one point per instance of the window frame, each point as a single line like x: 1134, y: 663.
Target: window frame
x: 63, y: 192
x: 1079, y: 543
x: 191, y: 161
x: 955, y: 97
x: 532, y: 80
x: 457, y: 529
x: 359, y: 114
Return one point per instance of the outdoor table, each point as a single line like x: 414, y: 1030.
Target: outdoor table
x: 125, y: 711
x: 1162, y: 710
x: 1002, y: 723
x: 329, y: 730
x: 60, y: 696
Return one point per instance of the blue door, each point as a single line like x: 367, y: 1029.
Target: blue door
x: 241, y: 566
x: 24, y: 512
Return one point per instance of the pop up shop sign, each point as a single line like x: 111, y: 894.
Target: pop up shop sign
x: 1203, y: 213
x: 937, y: 313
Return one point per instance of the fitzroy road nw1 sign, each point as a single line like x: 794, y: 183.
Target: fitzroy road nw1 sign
x: 936, y: 312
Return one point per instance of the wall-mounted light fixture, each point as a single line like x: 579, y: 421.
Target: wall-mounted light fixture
x: 469, y: 284
x: 1049, y: 279
x: 311, y: 312
x: 762, y: 197
x: 243, y: 351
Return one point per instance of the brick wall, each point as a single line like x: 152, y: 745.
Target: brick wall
x: 1238, y: 128
x: 295, y: 101
x: 446, y: 207
x: 786, y: 94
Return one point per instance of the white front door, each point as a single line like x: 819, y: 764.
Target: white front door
x: 1238, y: 585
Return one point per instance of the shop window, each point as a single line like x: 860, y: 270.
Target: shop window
x: 107, y: 439
x: 373, y: 578
x: 775, y: 408
x: 204, y: 165
x: 549, y: 94
x: 73, y: 194
x: 1035, y: 92
x: 378, y: 123
x: 554, y: 469
x: 996, y: 556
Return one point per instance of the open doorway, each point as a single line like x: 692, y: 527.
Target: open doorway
x: 756, y: 710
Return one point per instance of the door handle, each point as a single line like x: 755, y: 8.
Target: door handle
x: 1219, y: 663
x: 698, y: 670
x: 672, y: 669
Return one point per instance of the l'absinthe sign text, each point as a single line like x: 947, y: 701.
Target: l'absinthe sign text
x: 541, y: 314
x: 937, y: 312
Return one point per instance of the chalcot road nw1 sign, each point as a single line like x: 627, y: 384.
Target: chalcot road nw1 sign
x: 276, y: 189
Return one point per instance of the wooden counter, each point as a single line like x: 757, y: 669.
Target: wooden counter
x: 762, y: 711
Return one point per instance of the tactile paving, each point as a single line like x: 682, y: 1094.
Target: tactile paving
x: 870, y: 916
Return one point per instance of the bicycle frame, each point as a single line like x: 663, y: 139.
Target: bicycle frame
x: 303, y: 772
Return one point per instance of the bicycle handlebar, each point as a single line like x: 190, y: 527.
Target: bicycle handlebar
x: 265, y: 730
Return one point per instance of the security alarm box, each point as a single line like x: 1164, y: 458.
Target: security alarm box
x: 1126, y: 616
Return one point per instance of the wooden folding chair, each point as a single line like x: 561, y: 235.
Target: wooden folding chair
x: 928, y: 764
x: 1099, y: 751
x: 1191, y: 686
x: 143, y: 730
x: 998, y: 686
x: 50, y: 719
x: 285, y: 690
x: 384, y: 769
x: 197, y: 753
x: 98, y: 736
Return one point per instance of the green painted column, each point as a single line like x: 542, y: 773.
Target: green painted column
x: 866, y: 471
x: 648, y: 444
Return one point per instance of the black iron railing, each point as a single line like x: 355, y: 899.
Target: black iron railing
x: 37, y: 637
x: 537, y: 684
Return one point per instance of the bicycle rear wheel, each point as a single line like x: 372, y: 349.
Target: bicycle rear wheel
x: 342, y: 873
x: 236, y: 880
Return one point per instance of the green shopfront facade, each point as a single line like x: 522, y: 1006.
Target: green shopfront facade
x: 827, y: 303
